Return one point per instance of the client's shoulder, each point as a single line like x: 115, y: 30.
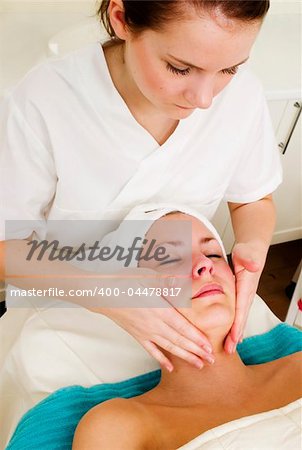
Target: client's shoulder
x: 116, y: 423
x: 292, y: 364
x: 288, y: 371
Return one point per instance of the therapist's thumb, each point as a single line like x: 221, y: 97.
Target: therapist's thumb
x: 243, y: 258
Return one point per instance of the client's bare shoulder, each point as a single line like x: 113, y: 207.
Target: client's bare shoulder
x: 115, y: 424
x: 292, y: 370
x: 283, y: 376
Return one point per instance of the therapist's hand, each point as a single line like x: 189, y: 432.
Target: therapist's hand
x: 248, y: 264
x: 157, y: 325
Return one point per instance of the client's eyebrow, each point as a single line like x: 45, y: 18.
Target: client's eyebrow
x: 174, y: 243
x: 200, y: 68
x: 204, y: 240
x: 207, y: 239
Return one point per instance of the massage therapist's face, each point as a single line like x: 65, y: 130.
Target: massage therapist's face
x: 186, y: 64
x: 195, y: 259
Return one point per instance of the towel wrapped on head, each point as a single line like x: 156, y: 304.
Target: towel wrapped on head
x: 124, y: 243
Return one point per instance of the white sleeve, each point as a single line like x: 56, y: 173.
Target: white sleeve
x: 258, y: 172
x: 27, y: 175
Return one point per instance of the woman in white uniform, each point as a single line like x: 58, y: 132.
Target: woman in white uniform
x: 166, y: 111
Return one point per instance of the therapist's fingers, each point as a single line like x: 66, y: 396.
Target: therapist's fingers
x: 229, y: 344
x: 186, y: 330
x: 180, y: 352
x: 176, y: 335
x: 177, y: 340
x: 171, y: 326
x: 166, y: 328
x: 248, y: 263
x: 246, y: 285
x: 188, y: 346
x: 192, y: 356
x: 158, y: 355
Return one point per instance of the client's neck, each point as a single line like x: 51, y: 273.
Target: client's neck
x: 187, y: 385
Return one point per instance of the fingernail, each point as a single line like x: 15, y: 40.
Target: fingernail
x: 199, y: 365
x: 208, y: 349
x: 210, y: 359
x: 231, y: 347
x: 234, y: 347
x: 169, y: 368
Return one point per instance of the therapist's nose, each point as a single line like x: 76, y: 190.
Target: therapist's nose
x: 201, y: 92
x: 202, y: 266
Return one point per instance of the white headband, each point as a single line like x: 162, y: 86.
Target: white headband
x: 138, y: 222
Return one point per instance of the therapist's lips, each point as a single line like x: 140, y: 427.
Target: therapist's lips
x: 209, y: 289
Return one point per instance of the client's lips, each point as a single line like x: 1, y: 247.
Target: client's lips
x: 209, y: 289
x: 185, y: 107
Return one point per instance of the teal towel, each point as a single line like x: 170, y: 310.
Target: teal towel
x: 50, y: 425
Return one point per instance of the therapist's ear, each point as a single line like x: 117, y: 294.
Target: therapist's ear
x: 116, y: 14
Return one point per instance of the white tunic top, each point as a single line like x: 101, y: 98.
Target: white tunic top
x: 71, y: 149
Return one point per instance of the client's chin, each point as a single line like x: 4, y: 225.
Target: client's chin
x: 211, y: 314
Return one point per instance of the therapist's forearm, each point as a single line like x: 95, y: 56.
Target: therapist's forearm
x: 254, y: 223
x: 45, y: 274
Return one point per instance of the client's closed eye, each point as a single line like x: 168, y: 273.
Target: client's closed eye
x: 214, y: 256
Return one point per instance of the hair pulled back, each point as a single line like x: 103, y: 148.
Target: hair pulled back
x: 141, y: 15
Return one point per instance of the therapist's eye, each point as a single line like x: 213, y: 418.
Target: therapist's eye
x: 177, y: 71
x: 230, y: 71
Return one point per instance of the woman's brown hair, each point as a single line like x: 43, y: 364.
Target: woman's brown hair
x: 141, y: 15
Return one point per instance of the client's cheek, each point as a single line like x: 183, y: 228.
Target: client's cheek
x: 231, y: 289
x: 231, y: 297
x: 229, y: 285
x: 227, y: 274
x: 179, y: 292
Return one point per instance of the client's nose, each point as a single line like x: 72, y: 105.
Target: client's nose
x: 202, y: 266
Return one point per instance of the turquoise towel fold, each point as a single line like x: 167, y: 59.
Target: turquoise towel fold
x: 50, y: 425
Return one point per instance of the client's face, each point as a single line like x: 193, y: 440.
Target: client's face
x: 199, y: 263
